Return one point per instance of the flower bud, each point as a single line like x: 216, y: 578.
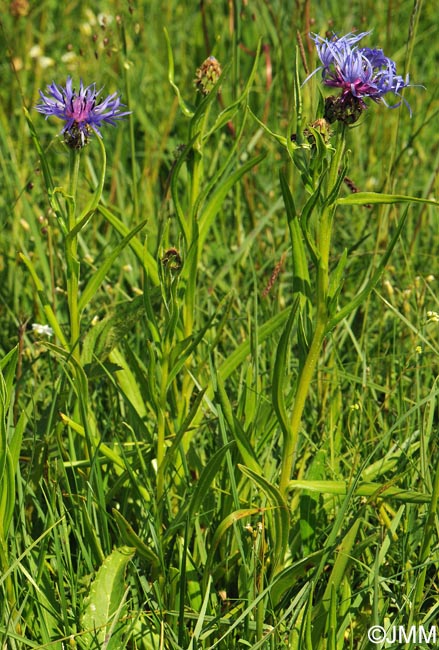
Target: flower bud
x: 207, y: 75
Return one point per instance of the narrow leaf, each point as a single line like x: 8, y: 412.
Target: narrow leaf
x: 279, y: 138
x: 226, y: 523
x: 301, y: 281
x: 218, y: 196
x: 186, y: 109
x: 342, y: 488
x: 243, y: 443
x: 281, y: 518
x: 182, y: 218
x: 227, y: 114
x: 143, y: 255
x: 362, y: 198
x: 131, y: 539
x: 48, y: 180
x: 50, y: 315
x: 98, y: 277
x: 362, y: 295
x: 278, y: 381
x: 209, y: 472
x: 343, y: 558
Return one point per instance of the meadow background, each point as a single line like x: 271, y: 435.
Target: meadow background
x: 179, y: 367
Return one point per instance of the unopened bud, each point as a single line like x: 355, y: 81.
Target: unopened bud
x: 207, y: 75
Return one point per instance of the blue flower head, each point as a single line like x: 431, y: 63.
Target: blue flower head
x: 81, y: 110
x: 359, y: 72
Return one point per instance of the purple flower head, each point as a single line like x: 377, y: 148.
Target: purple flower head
x: 81, y: 110
x: 359, y: 72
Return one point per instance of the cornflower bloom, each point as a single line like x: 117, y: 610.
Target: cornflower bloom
x: 359, y: 72
x: 82, y: 112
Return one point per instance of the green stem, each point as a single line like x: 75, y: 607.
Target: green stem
x: 299, y: 403
x: 307, y: 371
x: 132, y: 153
x: 161, y: 425
x: 196, y: 168
x: 196, y: 171
x: 71, y: 255
x: 425, y: 552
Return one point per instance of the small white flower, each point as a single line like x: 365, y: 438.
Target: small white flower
x: 69, y: 57
x: 43, y: 330
x: 35, y: 51
x: 104, y: 19
x: 46, y: 61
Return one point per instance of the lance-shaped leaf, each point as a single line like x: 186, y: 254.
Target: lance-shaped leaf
x: 105, y: 602
x: 363, y: 198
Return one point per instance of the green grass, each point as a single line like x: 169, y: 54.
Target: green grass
x: 161, y: 487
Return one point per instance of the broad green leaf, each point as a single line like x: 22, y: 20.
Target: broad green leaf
x: 8, y: 366
x: 126, y: 380
x: 10, y: 441
x: 7, y: 495
x: 102, y: 618
x: 301, y: 280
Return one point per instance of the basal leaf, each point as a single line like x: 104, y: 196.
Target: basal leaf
x: 107, y: 594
